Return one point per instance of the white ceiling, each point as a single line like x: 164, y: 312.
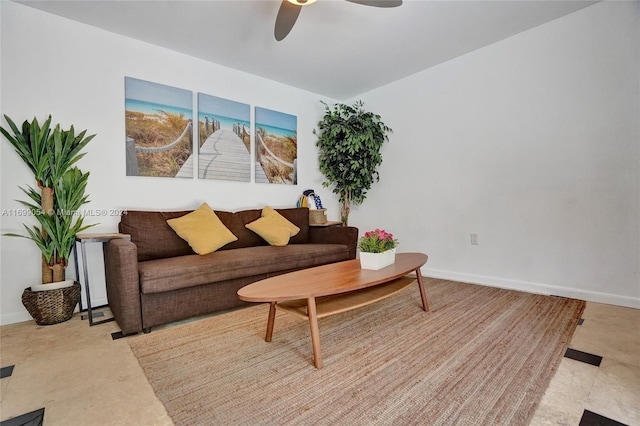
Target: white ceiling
x: 336, y: 49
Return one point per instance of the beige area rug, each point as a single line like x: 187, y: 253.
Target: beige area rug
x: 481, y: 356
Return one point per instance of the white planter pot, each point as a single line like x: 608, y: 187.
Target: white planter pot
x: 377, y: 261
x: 52, y: 286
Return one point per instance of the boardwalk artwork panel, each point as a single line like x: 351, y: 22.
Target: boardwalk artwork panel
x: 158, y: 125
x: 224, y: 139
x: 276, y: 140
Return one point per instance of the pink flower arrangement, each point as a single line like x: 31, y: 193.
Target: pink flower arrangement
x: 377, y: 241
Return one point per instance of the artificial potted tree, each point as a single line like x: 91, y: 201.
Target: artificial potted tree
x: 51, y: 155
x: 350, y: 139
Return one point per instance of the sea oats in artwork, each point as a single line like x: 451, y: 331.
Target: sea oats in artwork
x: 276, y: 140
x: 159, y: 130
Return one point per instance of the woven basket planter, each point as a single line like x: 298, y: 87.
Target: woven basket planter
x: 317, y: 217
x: 51, y: 306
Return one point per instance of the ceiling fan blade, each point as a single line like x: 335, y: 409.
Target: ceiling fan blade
x: 287, y: 16
x: 378, y: 3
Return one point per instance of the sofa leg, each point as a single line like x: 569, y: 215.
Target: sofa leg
x: 146, y: 330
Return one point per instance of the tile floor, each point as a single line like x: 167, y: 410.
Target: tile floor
x: 612, y: 389
x: 76, y: 373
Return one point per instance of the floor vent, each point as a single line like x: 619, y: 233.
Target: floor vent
x: 583, y: 357
x: 592, y: 419
x: 6, y: 371
x: 34, y: 418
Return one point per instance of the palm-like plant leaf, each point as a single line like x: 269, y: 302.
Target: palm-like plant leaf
x: 44, y: 243
x: 70, y: 190
x: 64, y: 150
x: 34, y: 195
x: 70, y: 196
x: 30, y: 144
x: 62, y: 230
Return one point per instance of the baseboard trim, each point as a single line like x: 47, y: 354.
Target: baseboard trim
x: 532, y: 287
x: 16, y: 317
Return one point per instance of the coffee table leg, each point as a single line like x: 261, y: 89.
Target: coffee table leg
x: 423, y: 295
x: 270, y: 321
x: 315, y: 332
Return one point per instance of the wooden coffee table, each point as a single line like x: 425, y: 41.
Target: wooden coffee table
x: 330, y: 289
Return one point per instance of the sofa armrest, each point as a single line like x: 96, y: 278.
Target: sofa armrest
x: 347, y: 235
x: 123, y: 285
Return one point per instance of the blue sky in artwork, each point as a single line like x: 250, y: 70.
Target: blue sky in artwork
x: 157, y: 93
x: 208, y: 104
x: 276, y: 119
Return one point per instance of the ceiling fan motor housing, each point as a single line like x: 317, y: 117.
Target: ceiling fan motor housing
x: 301, y: 2
x: 290, y: 9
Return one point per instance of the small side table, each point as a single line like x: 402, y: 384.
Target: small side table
x: 84, y: 239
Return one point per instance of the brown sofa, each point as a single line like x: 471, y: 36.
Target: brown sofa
x: 156, y: 278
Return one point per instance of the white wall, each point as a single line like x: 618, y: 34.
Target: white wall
x: 75, y: 72
x: 533, y: 143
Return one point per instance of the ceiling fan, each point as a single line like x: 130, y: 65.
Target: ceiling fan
x: 290, y: 9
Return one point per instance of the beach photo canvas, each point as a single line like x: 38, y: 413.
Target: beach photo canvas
x: 276, y: 140
x: 224, y: 145
x: 159, y: 130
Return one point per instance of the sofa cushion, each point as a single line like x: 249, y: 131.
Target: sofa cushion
x: 235, y: 222
x: 152, y: 236
x: 299, y: 216
x: 162, y: 275
x: 202, y: 229
x: 155, y: 239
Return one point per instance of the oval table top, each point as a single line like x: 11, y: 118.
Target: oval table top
x: 325, y: 280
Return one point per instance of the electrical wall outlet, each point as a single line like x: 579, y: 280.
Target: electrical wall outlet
x: 474, y: 239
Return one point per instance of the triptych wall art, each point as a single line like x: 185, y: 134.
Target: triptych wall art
x: 160, y: 133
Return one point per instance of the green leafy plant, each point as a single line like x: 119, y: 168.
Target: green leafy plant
x: 377, y: 241
x: 350, y: 139
x: 51, y: 155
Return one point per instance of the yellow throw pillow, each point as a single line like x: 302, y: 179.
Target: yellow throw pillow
x: 281, y: 220
x: 273, y: 227
x: 270, y: 230
x: 202, y: 229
